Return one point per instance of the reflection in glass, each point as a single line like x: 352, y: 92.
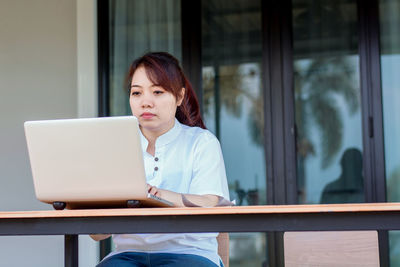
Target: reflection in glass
x: 349, y: 187
x: 240, y: 115
x: 137, y: 27
x: 327, y: 100
x: 233, y: 108
x: 233, y: 102
x: 390, y: 64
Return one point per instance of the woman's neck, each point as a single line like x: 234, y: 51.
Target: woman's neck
x: 151, y: 137
x: 151, y: 146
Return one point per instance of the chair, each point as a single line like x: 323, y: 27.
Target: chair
x: 331, y: 249
x: 223, y: 248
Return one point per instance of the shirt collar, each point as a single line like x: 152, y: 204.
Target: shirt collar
x: 165, y: 138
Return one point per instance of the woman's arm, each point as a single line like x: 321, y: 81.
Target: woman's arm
x: 176, y: 198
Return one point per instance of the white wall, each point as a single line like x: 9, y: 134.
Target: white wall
x: 87, y: 58
x: 39, y: 46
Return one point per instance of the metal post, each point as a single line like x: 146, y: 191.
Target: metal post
x: 105, y: 247
x: 71, y: 251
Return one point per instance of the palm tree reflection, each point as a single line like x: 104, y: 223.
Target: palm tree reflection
x: 318, y: 84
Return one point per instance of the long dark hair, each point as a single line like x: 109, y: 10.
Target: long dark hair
x: 163, y: 69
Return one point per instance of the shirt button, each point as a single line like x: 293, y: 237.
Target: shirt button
x: 156, y: 159
x: 156, y: 168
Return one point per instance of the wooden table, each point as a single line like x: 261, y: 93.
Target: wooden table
x: 71, y: 223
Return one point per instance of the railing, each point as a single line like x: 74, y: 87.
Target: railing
x: 71, y: 223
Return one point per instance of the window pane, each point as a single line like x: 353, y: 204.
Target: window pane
x: 390, y: 64
x: 327, y: 101
x: 233, y: 108
x: 137, y: 27
x: 233, y: 102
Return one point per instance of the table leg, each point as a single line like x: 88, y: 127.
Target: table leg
x: 71, y: 251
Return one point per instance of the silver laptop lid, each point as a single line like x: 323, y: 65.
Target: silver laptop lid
x: 86, y: 160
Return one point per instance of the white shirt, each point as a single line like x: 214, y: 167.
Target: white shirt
x: 187, y: 160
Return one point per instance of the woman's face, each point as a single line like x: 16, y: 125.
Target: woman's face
x: 154, y: 107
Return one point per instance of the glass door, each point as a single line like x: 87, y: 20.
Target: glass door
x: 327, y: 102
x: 137, y: 27
x: 390, y: 65
x: 233, y: 107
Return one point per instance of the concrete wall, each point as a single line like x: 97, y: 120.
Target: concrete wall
x: 39, y: 79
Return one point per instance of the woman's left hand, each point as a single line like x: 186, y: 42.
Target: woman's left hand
x: 176, y: 198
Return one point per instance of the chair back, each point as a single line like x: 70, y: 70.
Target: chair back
x: 223, y: 248
x: 335, y: 248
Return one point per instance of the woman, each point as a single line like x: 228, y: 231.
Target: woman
x: 183, y: 163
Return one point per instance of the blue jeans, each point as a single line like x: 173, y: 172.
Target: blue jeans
x: 140, y: 259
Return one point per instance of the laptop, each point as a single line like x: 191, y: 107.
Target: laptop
x: 89, y: 163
